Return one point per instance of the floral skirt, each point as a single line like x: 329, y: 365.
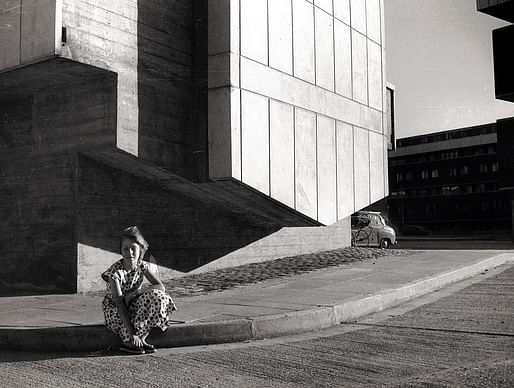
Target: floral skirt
x: 150, y: 309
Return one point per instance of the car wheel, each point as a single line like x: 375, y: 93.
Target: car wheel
x: 385, y: 243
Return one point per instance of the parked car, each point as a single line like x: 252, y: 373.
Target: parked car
x: 370, y: 229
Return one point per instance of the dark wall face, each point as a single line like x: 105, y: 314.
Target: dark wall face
x: 171, y: 133
x: 39, y: 137
x: 503, y: 63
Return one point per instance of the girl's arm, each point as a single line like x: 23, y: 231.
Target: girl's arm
x: 155, y: 284
x: 119, y: 300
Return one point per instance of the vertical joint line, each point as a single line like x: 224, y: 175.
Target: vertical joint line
x: 21, y: 19
x: 292, y: 38
x: 353, y: 168
x: 315, y: 46
x: 337, y: 180
x: 269, y: 147
x: 267, y: 32
x: 317, y: 166
x: 294, y: 157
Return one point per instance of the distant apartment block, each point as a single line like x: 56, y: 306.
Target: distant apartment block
x: 451, y: 180
x: 228, y: 130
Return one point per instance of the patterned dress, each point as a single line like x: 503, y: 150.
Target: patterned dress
x: 150, y: 309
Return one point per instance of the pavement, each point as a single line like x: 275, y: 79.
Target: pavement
x: 252, y: 302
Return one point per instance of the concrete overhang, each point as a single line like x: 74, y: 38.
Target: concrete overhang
x: 44, y: 75
x: 502, y: 9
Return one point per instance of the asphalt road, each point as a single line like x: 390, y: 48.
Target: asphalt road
x: 462, y: 336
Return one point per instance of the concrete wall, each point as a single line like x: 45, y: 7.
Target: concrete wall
x: 149, y: 45
x: 30, y: 30
x: 290, y: 84
x: 40, y: 135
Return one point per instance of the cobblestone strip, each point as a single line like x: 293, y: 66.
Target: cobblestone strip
x: 222, y: 279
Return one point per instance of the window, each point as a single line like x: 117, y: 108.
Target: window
x: 399, y: 177
x: 408, y: 176
x: 453, y: 171
x: 435, y: 173
x: 494, y: 167
x: 483, y: 168
x: 424, y: 174
x: 464, y: 170
x: 446, y: 190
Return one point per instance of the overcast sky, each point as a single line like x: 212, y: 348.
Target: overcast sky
x: 439, y: 58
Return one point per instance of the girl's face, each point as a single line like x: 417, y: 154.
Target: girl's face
x: 130, y: 250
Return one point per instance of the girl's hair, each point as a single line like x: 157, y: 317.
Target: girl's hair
x: 134, y: 234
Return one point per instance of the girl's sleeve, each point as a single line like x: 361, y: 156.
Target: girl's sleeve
x: 111, y: 273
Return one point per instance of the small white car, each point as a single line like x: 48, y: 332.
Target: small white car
x: 369, y: 229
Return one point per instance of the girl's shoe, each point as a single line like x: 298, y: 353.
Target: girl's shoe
x: 131, y: 350
x: 149, y: 348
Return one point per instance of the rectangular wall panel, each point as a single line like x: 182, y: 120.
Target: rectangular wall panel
x: 373, y: 20
x: 327, y: 191
x: 254, y: 30
x: 282, y: 152
x: 358, y: 15
x: 324, y: 50
x: 10, y: 33
x: 305, y: 162
x: 281, y: 36
x: 325, y: 5
x: 376, y: 167
x: 375, y: 84
x: 345, y: 192
x: 303, y: 40
x: 255, y: 141
x: 359, y: 68
x: 343, y: 59
x: 342, y: 10
x: 37, y: 29
x: 361, y: 167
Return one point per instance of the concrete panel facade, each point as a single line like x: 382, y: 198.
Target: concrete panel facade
x: 324, y: 50
x: 376, y: 163
x: 305, y: 163
x: 327, y: 169
x: 254, y: 30
x: 281, y: 36
x: 282, y: 155
x: 342, y: 10
x: 320, y: 64
x: 360, y: 67
x: 303, y: 41
x: 343, y: 59
x: 361, y: 174
x: 31, y: 31
x: 345, y: 168
x: 255, y: 141
x: 358, y: 15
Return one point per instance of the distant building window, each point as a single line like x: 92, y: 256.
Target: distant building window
x: 494, y: 167
x: 453, y: 171
x: 446, y: 190
x: 483, y: 168
x: 464, y: 170
x: 435, y: 173
x: 399, y: 177
x: 408, y: 176
x: 424, y: 174
x: 469, y: 189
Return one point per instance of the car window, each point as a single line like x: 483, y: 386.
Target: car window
x: 360, y: 222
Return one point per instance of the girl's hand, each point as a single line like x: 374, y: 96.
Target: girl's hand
x: 136, y: 341
x: 130, y: 297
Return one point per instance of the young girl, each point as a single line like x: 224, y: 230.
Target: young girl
x: 130, y: 311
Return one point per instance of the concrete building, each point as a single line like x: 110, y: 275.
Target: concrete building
x: 228, y: 130
x: 504, y: 88
x: 450, y: 181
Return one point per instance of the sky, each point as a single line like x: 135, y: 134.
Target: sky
x: 439, y: 59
